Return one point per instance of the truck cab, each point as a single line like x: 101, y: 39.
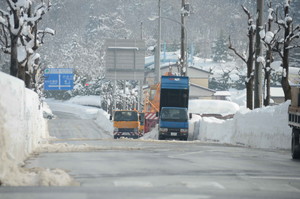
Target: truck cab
x: 173, y: 123
x: 126, y: 123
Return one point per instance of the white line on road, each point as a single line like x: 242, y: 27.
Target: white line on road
x: 193, y: 185
x: 132, y: 184
x: 274, y: 177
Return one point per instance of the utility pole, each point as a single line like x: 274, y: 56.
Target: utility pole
x: 258, y: 52
x: 157, y: 49
x: 142, y: 35
x: 182, y: 49
x: 185, y: 11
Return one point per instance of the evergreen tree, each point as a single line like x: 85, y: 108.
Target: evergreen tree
x: 220, y: 49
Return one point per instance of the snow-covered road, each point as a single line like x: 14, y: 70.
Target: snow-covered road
x: 132, y: 169
x: 75, y: 121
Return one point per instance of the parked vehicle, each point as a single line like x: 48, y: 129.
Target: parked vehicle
x: 126, y: 124
x: 173, y: 109
x: 294, y: 122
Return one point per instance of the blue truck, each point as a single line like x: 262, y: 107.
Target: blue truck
x: 173, y: 109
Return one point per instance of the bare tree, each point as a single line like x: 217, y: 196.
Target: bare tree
x: 283, y: 46
x: 248, y: 59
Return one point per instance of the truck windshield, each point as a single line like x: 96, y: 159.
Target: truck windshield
x: 174, y: 115
x: 126, y: 116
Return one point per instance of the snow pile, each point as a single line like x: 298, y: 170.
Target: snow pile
x: 76, y: 109
x: 104, y: 122
x: 19, y: 176
x: 22, y: 124
x: 238, y: 97
x: 89, y: 112
x: 47, y: 112
x: 91, y: 100
x: 152, y: 135
x: 22, y: 130
x: 220, y: 107
x: 261, y: 128
x: 66, y: 148
x: 265, y: 128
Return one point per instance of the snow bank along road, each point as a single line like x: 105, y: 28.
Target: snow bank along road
x: 108, y: 168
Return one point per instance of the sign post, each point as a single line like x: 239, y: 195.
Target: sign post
x: 125, y: 60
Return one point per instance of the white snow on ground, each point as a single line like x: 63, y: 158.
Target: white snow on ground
x: 78, y: 110
x: 91, y: 100
x: 65, y: 148
x: 221, y: 107
x: 81, y: 107
x: 265, y: 128
x: 23, y: 130
x: 238, y: 97
x: 104, y: 122
x: 261, y: 128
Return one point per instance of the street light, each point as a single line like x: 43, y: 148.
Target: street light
x: 185, y: 57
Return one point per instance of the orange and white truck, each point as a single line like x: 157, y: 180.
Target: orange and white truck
x: 126, y: 123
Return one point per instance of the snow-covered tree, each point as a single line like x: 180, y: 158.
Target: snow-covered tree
x: 248, y: 59
x: 20, y: 36
x: 223, y: 83
x: 268, y: 39
x: 286, y: 43
x: 220, y: 49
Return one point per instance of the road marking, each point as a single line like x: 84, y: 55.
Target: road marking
x: 191, y: 153
x: 185, y: 197
x: 274, y: 177
x: 132, y: 184
x: 193, y: 185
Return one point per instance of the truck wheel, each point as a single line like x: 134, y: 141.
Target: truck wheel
x: 184, y: 139
x: 161, y: 137
x: 295, y: 144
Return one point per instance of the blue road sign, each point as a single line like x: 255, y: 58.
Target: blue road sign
x: 58, y: 79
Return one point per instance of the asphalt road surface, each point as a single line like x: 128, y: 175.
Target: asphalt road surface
x: 152, y: 169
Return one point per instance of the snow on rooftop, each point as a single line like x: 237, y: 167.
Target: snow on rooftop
x: 222, y: 93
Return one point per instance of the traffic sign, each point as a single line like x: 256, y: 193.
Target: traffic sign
x: 125, y: 59
x: 58, y: 79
